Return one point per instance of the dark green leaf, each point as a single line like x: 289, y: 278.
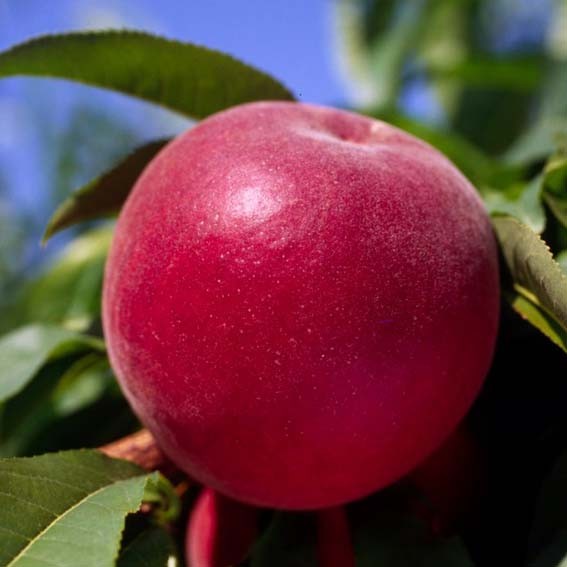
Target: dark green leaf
x: 67, y: 509
x: 25, y: 351
x: 538, y: 288
x: 153, y: 547
x: 105, y: 195
x: 183, y: 77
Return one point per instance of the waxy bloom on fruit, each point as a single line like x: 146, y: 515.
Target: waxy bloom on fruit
x: 300, y: 303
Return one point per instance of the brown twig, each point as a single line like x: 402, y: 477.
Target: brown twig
x: 141, y: 448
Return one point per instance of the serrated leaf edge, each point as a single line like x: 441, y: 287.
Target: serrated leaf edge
x: 69, y: 510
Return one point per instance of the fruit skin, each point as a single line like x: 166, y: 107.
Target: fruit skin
x: 300, y: 303
x: 220, y: 531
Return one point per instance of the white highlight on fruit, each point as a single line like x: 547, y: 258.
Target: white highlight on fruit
x: 252, y: 203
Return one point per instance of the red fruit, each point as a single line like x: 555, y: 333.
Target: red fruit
x: 334, y: 545
x: 220, y: 531
x: 300, y: 303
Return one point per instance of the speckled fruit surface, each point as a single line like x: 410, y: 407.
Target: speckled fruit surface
x: 300, y: 303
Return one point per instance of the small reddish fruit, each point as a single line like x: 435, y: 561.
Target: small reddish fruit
x: 300, y: 303
x: 220, y: 531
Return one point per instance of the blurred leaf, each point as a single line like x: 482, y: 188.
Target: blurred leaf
x: 105, y: 195
x: 538, y: 289
x: 444, y: 43
x: 67, y: 509
x: 24, y: 351
x: 550, y: 124
x: 68, y: 293
x: 153, y: 547
x: 555, y: 186
x: 510, y: 74
x: 84, y: 382
x: 520, y: 200
x: 289, y: 541
x: 376, y: 48
x: 183, y: 77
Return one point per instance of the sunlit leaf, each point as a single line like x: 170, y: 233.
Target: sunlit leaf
x: 67, y: 509
x: 538, y: 290
x: 195, y: 81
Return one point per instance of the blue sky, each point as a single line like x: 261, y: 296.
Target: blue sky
x: 291, y: 39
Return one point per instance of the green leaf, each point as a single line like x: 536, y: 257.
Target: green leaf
x: 153, y: 547
x: 105, y: 195
x: 183, y: 77
x: 520, y: 200
x: 67, y: 509
x: 555, y: 186
x: 538, y: 287
x: 25, y: 351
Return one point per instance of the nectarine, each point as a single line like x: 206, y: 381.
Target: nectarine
x: 300, y: 302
